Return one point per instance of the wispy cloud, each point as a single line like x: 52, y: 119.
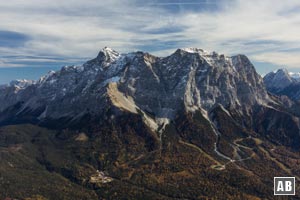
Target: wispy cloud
x: 266, y: 30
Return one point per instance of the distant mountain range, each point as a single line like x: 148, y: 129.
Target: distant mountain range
x: 192, y: 125
x: 282, y: 82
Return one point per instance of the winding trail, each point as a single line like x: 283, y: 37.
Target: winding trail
x: 218, y: 135
x: 200, y: 150
x: 235, y: 146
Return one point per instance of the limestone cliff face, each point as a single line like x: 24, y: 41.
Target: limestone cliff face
x: 189, y: 79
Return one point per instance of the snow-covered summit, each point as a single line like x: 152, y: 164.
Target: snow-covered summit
x: 212, y: 58
x: 195, y: 50
x: 108, y: 55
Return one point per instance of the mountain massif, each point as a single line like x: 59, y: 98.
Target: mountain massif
x: 192, y: 125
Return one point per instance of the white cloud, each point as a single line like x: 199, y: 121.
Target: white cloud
x: 77, y: 28
x: 280, y: 58
x: 259, y: 28
x: 73, y: 32
x: 3, y: 64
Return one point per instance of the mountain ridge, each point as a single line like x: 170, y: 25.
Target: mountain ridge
x: 110, y: 67
x: 157, y: 88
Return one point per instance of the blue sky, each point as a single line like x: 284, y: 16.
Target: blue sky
x: 39, y: 35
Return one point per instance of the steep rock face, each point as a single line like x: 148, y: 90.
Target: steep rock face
x: 190, y: 79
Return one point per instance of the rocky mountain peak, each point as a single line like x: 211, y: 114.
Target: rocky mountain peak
x: 103, y: 59
x: 108, y: 55
x: 278, y: 80
x: 282, y: 82
x: 283, y: 75
x: 282, y: 71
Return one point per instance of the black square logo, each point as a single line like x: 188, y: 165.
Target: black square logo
x: 284, y: 185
